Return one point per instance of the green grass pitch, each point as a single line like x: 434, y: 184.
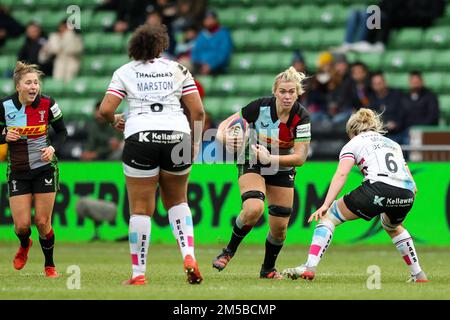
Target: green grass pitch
x: 341, y: 275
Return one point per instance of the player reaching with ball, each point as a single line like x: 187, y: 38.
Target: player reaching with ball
x: 388, y: 190
x: 283, y: 125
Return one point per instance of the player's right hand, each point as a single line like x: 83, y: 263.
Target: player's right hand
x: 319, y: 214
x: 12, y: 135
x: 233, y: 142
x: 119, y: 122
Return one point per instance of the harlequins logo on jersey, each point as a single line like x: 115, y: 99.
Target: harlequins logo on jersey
x: 42, y: 114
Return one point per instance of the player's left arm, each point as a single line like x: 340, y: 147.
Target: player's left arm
x: 57, y: 122
x: 296, y: 159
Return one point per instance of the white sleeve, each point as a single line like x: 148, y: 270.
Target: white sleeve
x: 116, y: 86
x: 189, y: 85
x: 348, y: 152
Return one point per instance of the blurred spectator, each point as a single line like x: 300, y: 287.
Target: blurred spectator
x: 322, y: 94
x: 104, y: 142
x: 354, y: 93
x: 35, y: 40
x: 388, y: 102
x: 183, y: 50
x: 341, y: 66
x: 421, y: 104
x: 155, y: 18
x: 189, y: 13
x: 356, y: 30
x: 9, y: 27
x: 213, y: 47
x: 130, y: 13
x: 65, y: 47
x: 298, y: 62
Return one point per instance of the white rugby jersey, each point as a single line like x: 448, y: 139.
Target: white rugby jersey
x: 153, y: 91
x: 379, y: 159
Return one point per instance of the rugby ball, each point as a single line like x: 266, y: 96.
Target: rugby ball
x: 238, y: 127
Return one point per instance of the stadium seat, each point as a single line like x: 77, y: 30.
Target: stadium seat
x: 275, y: 17
x: 301, y: 16
x: 251, y: 17
x: 112, y: 43
x: 330, y: 15
x: 95, y: 64
x: 249, y: 85
x: 207, y: 83
x: 310, y: 39
x: 437, y: 37
x: 407, y: 38
x: 54, y: 88
x: 395, y: 60
x: 242, y: 62
x: 261, y: 39
x: 114, y: 62
x: 214, y: 106
x: 332, y: 37
x: 434, y: 81
x: 421, y: 60
x: 446, y: 82
x: 6, y: 87
x: 7, y: 64
x: 240, y: 39
x: 103, y: 19
x: 441, y: 61
x: 225, y: 85
x: 287, y: 39
x: 268, y: 62
x: 372, y: 60
x: 91, y: 42
x: 444, y: 106
x: 233, y: 105
x: 12, y: 45
x: 397, y: 80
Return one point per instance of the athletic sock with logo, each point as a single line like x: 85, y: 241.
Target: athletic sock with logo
x: 180, y: 218
x: 240, y: 230
x: 139, y: 238
x: 405, y: 245
x: 47, y: 245
x: 320, y: 242
x: 24, y: 238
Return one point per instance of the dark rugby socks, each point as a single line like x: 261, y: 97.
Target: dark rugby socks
x: 47, y: 245
x: 240, y: 230
x: 273, y: 248
x: 24, y: 239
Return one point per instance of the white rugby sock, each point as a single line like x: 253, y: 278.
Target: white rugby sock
x: 139, y: 239
x: 180, y: 219
x: 320, y: 242
x: 405, y: 245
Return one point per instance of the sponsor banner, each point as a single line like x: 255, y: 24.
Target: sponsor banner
x: 215, y: 202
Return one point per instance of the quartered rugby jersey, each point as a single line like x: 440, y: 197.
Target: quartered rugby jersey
x: 262, y: 116
x: 379, y: 159
x: 32, y: 122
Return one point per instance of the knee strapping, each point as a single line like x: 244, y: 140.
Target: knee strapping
x: 335, y: 214
x: 279, y: 211
x: 253, y: 194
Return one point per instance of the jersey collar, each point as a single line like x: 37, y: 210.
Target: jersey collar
x: 273, y: 112
x: 16, y: 101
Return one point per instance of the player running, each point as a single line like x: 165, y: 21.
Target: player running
x: 281, y: 123
x: 158, y: 143
x: 388, y: 189
x: 32, y: 172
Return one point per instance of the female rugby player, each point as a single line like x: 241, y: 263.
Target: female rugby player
x: 388, y: 190
x: 282, y: 124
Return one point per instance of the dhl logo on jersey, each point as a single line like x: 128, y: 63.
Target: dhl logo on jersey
x: 30, y: 130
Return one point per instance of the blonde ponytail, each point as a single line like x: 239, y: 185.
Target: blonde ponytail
x: 364, y: 120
